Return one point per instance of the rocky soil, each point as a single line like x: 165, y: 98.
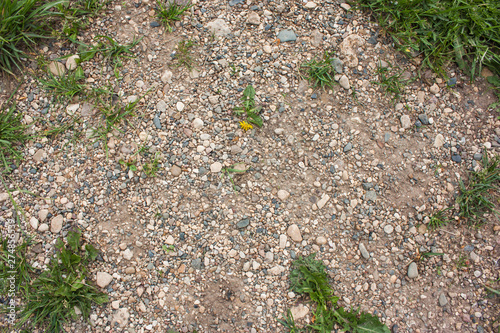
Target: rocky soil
x: 349, y: 173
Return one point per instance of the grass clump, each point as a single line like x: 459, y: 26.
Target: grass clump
x: 66, y: 85
x: 308, y: 276
x: 320, y: 72
x: 62, y: 292
x: 183, y: 54
x: 478, y: 197
x: 13, y: 259
x: 151, y: 168
x: 438, y: 219
x: 390, y: 82
x: 21, y: 23
x: 170, y: 11
x: 249, y: 109
x: 439, y: 30
x: 12, y: 134
x: 76, y: 14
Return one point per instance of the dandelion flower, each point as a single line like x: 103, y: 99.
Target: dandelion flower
x: 245, y: 126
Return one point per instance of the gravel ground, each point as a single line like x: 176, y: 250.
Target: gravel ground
x: 349, y: 173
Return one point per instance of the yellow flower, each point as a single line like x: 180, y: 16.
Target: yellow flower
x: 245, y: 126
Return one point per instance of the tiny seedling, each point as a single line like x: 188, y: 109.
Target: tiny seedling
x: 238, y: 168
x: 130, y: 164
x: 320, y: 72
x: 168, y: 248
x: 462, y: 262
x: 391, y: 83
x: 170, y: 12
x: 152, y: 167
x: 249, y: 109
x: 64, y: 287
x: 308, y: 276
x: 183, y: 54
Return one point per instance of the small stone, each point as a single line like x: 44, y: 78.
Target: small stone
x: 127, y: 254
x: 310, y: 5
x: 57, y: 68
x: 412, y: 270
x: 154, y: 24
x: 299, y: 311
x: 371, y: 196
x: 4, y: 196
x: 388, y: 229
x: 322, y: 202
x: 405, y: 121
x: 338, y: 65
x: 243, y: 223
x: 180, y: 106
x: 283, y: 195
x: 130, y: 270
x: 277, y: 270
x: 198, y: 123
x: 170, y: 240
x: 423, y: 119
x: 439, y: 141
x: 363, y: 251
x: 320, y: 240
x: 456, y: 158
x: 253, y: 18
x: 434, y: 89
x: 115, y: 305
x: 175, y: 171
x: 478, y: 156
x: 294, y: 233
x: 235, y: 149
x: 56, y: 224
x: 166, y: 77
x: 344, y: 82
x: 283, y: 240
x: 103, y: 279
x: 71, y: 62
x: 34, y: 223
x: 442, y: 300
x: 345, y: 6
x: 287, y: 36
x: 43, y: 227
x: 157, y: 122
x: 219, y: 27
x: 120, y: 317
x: 347, y: 147
x: 216, y: 167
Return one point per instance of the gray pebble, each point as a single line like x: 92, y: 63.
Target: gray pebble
x: 412, y: 270
x: 363, y: 251
x: 442, y: 300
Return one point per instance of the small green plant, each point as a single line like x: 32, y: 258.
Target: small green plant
x: 128, y: 164
x: 308, y: 276
x: 462, y: 262
x: 234, y: 70
x: 183, y: 54
x: 168, y: 248
x: 63, y: 290
x: 439, y: 219
x: 22, y: 22
x: 65, y: 86
x: 170, y: 12
x: 75, y: 15
x: 495, y: 82
x: 152, y: 167
x: 478, y: 197
x: 249, y: 109
x: 12, y: 134
x: 320, y: 72
x: 391, y: 83
x: 238, y: 168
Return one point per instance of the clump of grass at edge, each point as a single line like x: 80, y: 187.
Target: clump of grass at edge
x: 21, y: 23
x: 464, y: 30
x: 320, y: 72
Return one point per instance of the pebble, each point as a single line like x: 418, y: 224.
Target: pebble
x: 363, y: 251
x: 344, y: 82
x: 320, y: 240
x: 166, y: 77
x: 175, y: 171
x: 283, y: 240
x: 287, y: 36
x: 434, y: 89
x: 34, y: 223
x: 56, y: 68
x: 443, y: 300
x: 456, y: 158
x: 439, y: 141
x: 300, y: 311
x: 347, y: 147
x: 405, y: 121
x: 71, y: 62
x: 198, y: 123
x: 388, y: 229
x: 103, y: 279
x: 243, y: 223
x: 253, y: 18
x: 294, y: 233
x: 215, y: 167
x: 412, y: 270
x: 283, y: 195
x: 56, y: 224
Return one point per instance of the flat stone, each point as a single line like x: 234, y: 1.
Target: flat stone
x: 283, y: 240
x: 130, y: 270
x: 170, y: 240
x: 243, y: 223
x: 371, y: 196
x: 180, y: 106
x: 338, y: 65
x: 4, y: 196
x: 43, y: 227
x: 434, y: 89
x: 322, y: 202
x: 57, y: 68
x: 442, y: 300
x: 294, y: 233
x: 175, y: 171
x: 347, y: 147
x: 287, y: 36
x: 320, y: 240
x: 423, y: 119
x: 216, y: 167
x: 38, y: 155
x: 166, y: 77
x: 388, y: 229
x: 310, y: 5
x: 127, y: 254
x: 283, y: 195
x: 439, y: 141
x: 253, y: 18
x: 56, y: 224
x: 405, y: 121
x: 299, y: 311
x: 120, y: 317
x: 198, y: 123
x: 103, y: 279
x: 276, y: 270
x: 71, y: 62
x: 161, y: 106
x: 34, y: 222
x: 219, y: 27
x: 344, y: 82
x: 456, y: 158
x: 235, y: 149
x: 363, y: 251
x: 412, y: 270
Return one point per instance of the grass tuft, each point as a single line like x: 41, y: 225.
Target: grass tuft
x: 464, y: 30
x: 478, y: 197
x: 391, y: 83
x: 66, y: 85
x: 21, y: 23
x: 183, y: 54
x: 320, y: 72
x: 438, y: 219
x: 170, y: 12
x: 12, y: 133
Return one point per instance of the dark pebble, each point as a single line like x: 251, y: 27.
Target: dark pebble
x: 478, y: 156
x: 156, y: 122
x: 423, y: 119
x: 347, y: 147
x: 314, y: 96
x: 452, y: 82
x: 243, y: 223
x: 372, y: 40
x: 235, y: 2
x: 456, y: 158
x: 154, y: 24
